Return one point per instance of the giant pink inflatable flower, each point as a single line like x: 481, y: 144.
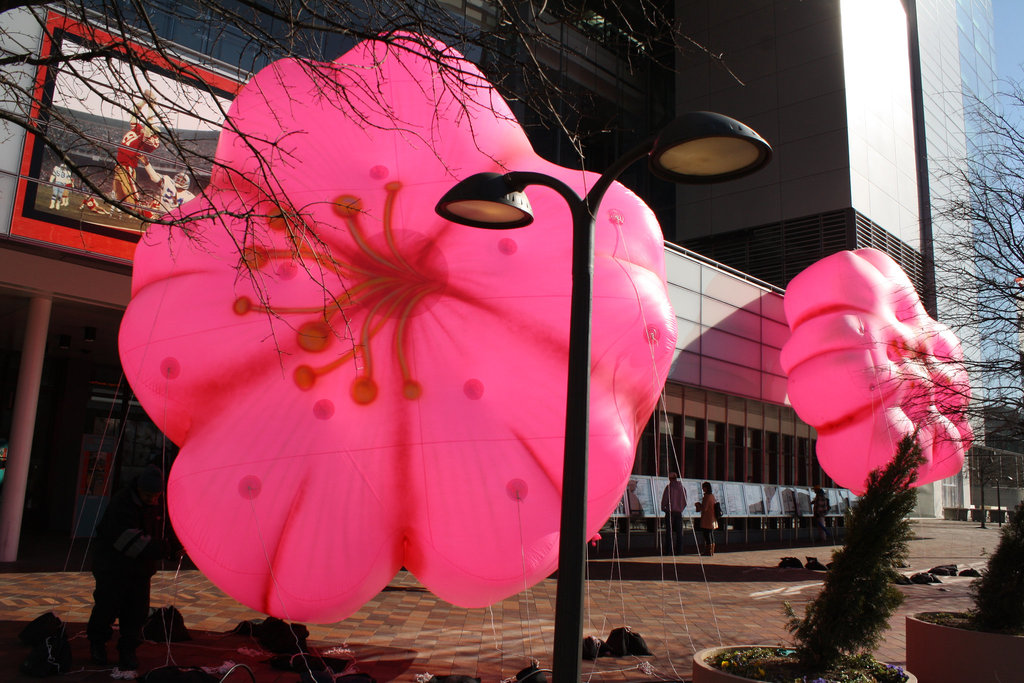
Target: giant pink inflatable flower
x: 867, y: 366
x: 358, y: 385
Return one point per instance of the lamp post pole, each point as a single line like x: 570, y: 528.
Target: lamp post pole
x: 700, y: 147
x: 572, y: 542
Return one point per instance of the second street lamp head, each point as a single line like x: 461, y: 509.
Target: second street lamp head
x: 705, y: 147
x: 486, y: 200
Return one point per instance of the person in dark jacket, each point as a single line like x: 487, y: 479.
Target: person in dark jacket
x: 673, y: 503
x: 128, y: 545
x: 819, y: 508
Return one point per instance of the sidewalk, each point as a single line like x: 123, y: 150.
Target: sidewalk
x: 678, y: 606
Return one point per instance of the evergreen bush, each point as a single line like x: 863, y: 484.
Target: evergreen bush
x: 999, y: 593
x: 852, y: 612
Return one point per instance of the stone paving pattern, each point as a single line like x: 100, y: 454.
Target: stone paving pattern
x: 679, y: 605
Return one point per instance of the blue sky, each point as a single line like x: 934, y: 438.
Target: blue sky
x: 1008, y: 17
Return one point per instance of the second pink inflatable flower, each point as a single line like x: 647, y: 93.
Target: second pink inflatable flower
x: 868, y: 365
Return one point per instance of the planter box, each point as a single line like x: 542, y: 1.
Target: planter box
x: 942, y: 654
x: 955, y: 514
x: 702, y: 673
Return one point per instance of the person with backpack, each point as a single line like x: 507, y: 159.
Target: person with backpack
x: 128, y: 545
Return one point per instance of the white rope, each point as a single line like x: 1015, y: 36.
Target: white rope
x: 662, y: 413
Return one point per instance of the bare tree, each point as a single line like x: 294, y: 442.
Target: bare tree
x: 114, y: 85
x: 526, y: 49
x: 982, y: 261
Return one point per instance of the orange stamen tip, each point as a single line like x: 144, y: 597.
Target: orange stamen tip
x: 314, y: 336
x: 364, y: 390
x: 243, y: 305
x: 393, y: 186
x: 255, y: 257
x: 305, y: 377
x: 412, y: 390
x: 277, y: 221
x: 347, y: 205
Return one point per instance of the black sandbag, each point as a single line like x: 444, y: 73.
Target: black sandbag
x: 593, y: 647
x: 41, y: 628
x: 166, y: 624
x: 812, y: 563
x: 280, y: 636
x: 49, y: 657
x: 625, y: 642
x: 943, y: 570
x: 924, y: 578
x: 532, y: 674
x: 247, y: 628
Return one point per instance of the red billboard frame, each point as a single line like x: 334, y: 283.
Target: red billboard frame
x: 88, y: 232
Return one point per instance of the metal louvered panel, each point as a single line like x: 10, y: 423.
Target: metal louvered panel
x: 870, y: 234
x: 764, y: 261
x: 802, y: 244
x: 778, y: 252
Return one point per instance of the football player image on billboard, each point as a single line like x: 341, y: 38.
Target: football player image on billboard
x: 173, y: 192
x: 125, y: 130
x: 141, y: 140
x: 60, y: 181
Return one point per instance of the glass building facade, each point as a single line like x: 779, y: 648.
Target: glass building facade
x: 710, y: 435
x: 830, y: 84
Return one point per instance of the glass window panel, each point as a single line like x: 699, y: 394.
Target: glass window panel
x: 694, y: 402
x: 737, y: 414
x: 694, y: 449
x: 802, y: 461
x: 755, y: 456
x: 737, y: 452
x: 788, y: 458
x: 773, y: 457
x: 716, y: 407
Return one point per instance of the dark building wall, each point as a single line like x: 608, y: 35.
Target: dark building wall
x: 781, y: 72
x: 809, y: 77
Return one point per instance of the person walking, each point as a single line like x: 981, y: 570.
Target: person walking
x: 673, y: 502
x: 129, y: 542
x: 819, y: 508
x: 707, y: 507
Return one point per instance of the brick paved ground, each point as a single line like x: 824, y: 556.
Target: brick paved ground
x: 679, y: 607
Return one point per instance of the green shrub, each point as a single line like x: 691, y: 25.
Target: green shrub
x: 852, y: 612
x: 999, y: 593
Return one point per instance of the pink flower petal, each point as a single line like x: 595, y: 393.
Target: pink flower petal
x: 867, y: 366
x: 420, y: 421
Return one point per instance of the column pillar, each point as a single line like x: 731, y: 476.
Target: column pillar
x: 23, y: 424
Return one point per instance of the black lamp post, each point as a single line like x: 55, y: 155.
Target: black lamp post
x: 698, y: 147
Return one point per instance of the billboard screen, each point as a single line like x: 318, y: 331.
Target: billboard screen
x: 142, y: 129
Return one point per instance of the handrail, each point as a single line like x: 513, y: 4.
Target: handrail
x: 729, y: 270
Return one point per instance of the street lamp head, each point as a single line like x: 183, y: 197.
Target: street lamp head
x: 704, y: 147
x: 486, y: 200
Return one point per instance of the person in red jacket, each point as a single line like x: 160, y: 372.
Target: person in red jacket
x: 128, y: 545
x: 708, y: 509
